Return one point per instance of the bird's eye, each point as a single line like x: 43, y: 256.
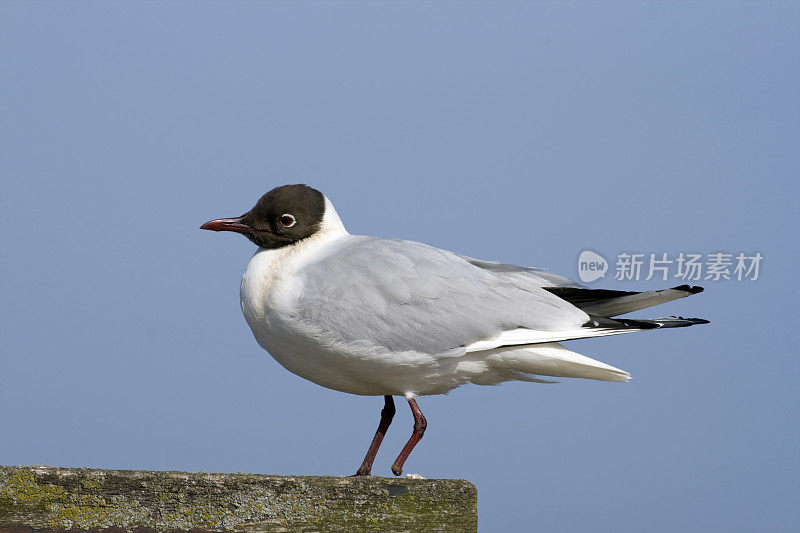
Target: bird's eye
x: 287, y: 220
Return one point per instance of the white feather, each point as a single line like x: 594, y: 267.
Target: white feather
x: 521, y: 336
x: 552, y: 359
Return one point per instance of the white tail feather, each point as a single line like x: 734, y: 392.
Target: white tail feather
x: 552, y: 359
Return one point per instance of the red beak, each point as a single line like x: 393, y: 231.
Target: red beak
x: 228, y: 224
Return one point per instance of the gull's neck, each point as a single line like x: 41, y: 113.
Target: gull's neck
x: 331, y: 223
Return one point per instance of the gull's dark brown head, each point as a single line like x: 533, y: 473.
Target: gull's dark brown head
x: 281, y: 217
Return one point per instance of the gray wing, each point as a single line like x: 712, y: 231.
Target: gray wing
x: 600, y: 302
x: 524, y: 275
x: 404, y: 295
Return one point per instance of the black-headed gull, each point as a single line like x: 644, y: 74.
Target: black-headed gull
x: 384, y: 317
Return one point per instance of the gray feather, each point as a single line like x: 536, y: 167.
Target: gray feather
x: 534, y: 275
x: 404, y: 295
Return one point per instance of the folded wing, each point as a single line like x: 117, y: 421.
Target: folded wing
x: 404, y: 295
x: 401, y: 295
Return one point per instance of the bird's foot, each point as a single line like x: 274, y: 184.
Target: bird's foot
x: 362, y: 472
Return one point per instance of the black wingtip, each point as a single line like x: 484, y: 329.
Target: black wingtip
x: 650, y: 323
x: 692, y: 321
x: 691, y: 290
x: 618, y: 323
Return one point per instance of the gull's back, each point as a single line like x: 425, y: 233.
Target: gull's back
x: 404, y: 295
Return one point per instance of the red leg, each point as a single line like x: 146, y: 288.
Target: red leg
x: 387, y: 413
x: 419, y: 430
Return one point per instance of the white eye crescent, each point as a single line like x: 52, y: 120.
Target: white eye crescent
x: 287, y: 220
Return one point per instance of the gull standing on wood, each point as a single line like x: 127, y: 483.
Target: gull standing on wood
x: 386, y: 317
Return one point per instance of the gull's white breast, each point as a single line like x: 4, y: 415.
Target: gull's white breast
x: 270, y: 286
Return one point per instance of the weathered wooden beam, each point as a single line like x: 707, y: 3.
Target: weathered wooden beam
x: 44, y: 498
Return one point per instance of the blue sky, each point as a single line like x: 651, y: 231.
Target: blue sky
x: 521, y: 132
